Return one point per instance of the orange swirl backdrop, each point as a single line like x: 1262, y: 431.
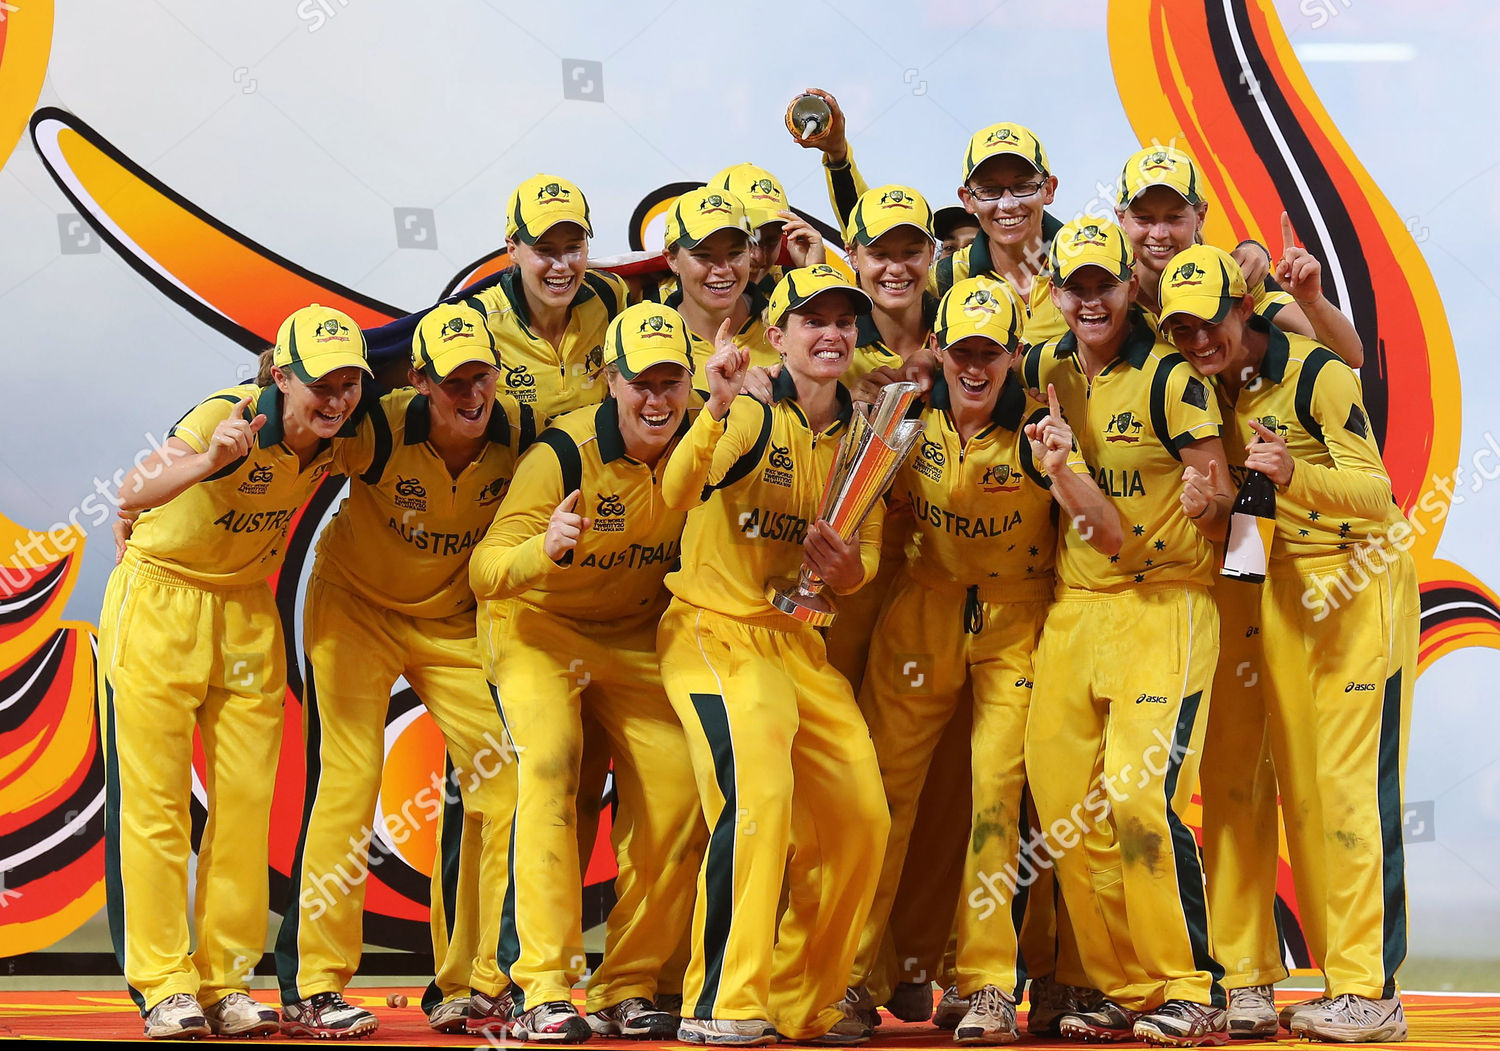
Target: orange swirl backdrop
x: 1217, y: 78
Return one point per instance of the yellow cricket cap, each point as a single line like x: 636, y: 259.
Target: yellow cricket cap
x: 450, y: 335
x: 805, y: 283
x: 979, y: 306
x: 315, y: 340
x: 1160, y: 166
x: 1203, y: 281
x: 1089, y: 241
x: 698, y: 213
x: 758, y: 190
x: 540, y: 203
x: 644, y: 335
x: 1000, y: 139
x: 884, y: 208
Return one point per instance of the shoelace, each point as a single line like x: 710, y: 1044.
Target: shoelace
x: 1257, y: 995
x: 176, y: 1000
x: 634, y: 1006
x: 319, y: 1001
x: 1185, y: 1010
x: 1358, y: 1008
x: 989, y: 999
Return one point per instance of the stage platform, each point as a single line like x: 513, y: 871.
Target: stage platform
x: 1438, y: 1022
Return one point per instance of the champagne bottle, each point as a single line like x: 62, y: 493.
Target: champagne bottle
x: 1252, y: 524
x: 808, y: 117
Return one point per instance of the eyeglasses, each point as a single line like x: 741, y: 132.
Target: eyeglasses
x: 1020, y: 192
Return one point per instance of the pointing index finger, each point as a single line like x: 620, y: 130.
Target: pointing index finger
x: 1288, y: 235
x: 1052, y: 407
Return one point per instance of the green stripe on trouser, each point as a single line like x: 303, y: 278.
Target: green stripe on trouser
x: 1185, y: 856
x: 718, y: 861
x: 1393, y: 851
x: 114, y: 889
x: 288, y: 959
x: 451, y: 843
x: 508, y: 951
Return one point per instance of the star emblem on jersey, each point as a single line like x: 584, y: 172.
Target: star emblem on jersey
x: 1140, y: 578
x: 1313, y: 515
x: 1160, y: 545
x: 1138, y: 530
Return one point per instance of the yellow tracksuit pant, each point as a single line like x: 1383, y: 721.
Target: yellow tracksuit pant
x: 928, y: 643
x: 355, y: 652
x: 1241, y: 833
x: 764, y: 712
x: 455, y: 890
x: 174, y: 657
x: 920, y: 937
x: 547, y: 671
x: 1340, y: 643
x: 1112, y: 752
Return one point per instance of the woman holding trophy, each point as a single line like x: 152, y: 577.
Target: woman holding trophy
x: 966, y: 610
x: 761, y: 706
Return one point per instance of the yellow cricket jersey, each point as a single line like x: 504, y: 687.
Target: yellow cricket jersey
x: 553, y: 380
x: 751, y: 337
x: 402, y: 538
x: 1046, y: 320
x: 229, y: 530
x: 754, y: 481
x: 1340, y: 493
x: 1130, y: 423
x: 615, y: 572
x: 870, y: 350
x: 983, y: 510
x: 974, y: 260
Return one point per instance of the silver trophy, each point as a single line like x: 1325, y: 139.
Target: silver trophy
x: 875, y: 446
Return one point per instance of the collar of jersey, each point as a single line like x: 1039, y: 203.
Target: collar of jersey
x: 981, y: 264
x: 268, y: 403
x: 758, y: 304
x: 607, y: 431
x: 1009, y: 406
x: 1136, y: 348
x: 784, y: 389
x: 510, y: 284
x: 419, y: 423
x: 1278, y: 349
x: 867, y: 334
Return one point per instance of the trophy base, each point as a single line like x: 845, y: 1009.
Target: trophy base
x: 795, y: 601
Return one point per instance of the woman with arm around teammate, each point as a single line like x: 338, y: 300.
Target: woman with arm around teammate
x: 190, y: 638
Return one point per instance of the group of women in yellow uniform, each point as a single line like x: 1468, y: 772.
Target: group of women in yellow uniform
x: 561, y: 531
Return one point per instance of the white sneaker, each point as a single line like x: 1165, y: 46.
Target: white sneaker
x: 950, y: 1009
x: 238, y: 1015
x: 1183, y: 1023
x: 991, y: 1019
x: 1351, y: 1019
x: 556, y: 1022
x: 1291, y: 1011
x: 634, y: 1017
x: 1252, y: 1011
x: 179, y: 1015
x: 450, y: 1016
x: 324, y: 1016
x: 731, y: 1032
